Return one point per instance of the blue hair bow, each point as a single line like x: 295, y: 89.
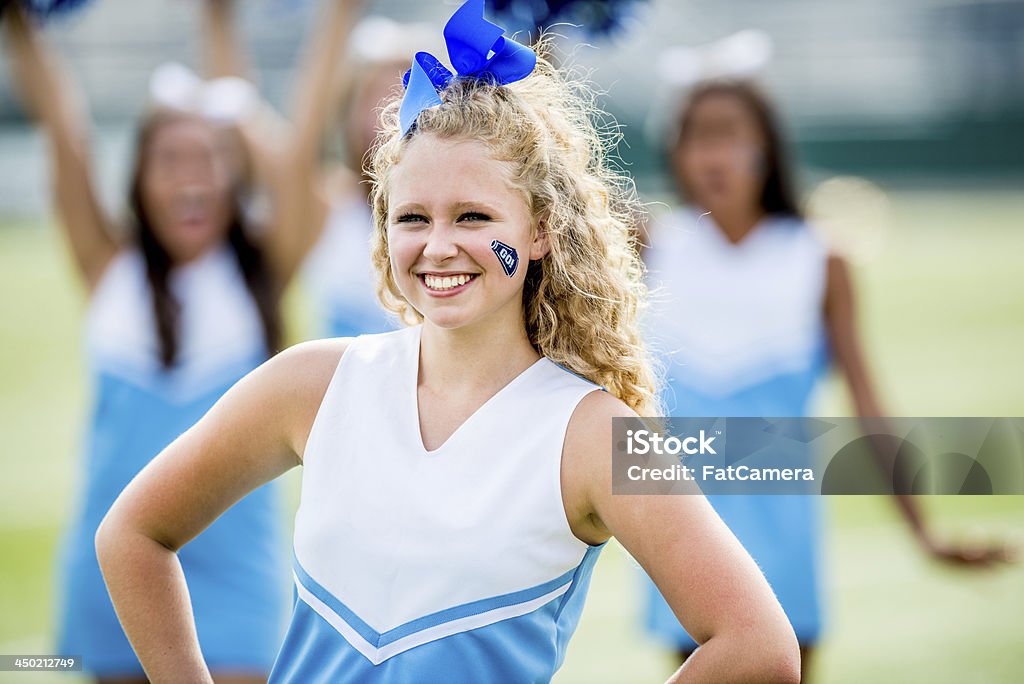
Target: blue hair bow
x: 477, y: 48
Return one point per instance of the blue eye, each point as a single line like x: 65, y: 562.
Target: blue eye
x: 411, y: 218
x: 474, y: 216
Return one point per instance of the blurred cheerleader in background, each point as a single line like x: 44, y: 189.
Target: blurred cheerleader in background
x: 182, y: 304
x: 750, y: 311
x: 321, y: 206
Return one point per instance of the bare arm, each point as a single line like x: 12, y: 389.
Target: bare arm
x: 298, y: 187
x: 253, y: 434
x: 314, y: 96
x: 710, y: 581
x: 841, y: 318
x: 265, y: 134
x: 222, y: 49
x: 48, y: 96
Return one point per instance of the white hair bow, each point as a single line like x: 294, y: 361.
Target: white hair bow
x: 377, y: 39
x: 227, y: 100
x: 741, y: 55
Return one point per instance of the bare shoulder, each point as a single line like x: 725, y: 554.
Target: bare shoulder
x: 300, y: 375
x: 311, y: 363
x: 587, y: 462
x: 836, y: 264
x: 838, y: 286
x: 592, y: 420
x: 588, y: 440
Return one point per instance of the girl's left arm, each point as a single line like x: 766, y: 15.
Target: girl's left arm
x: 844, y: 337
x: 711, y: 583
x: 253, y: 434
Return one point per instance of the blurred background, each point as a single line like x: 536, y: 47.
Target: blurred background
x: 916, y: 107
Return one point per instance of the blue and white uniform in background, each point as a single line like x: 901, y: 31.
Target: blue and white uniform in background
x: 455, y: 565
x: 237, y: 570
x: 341, y: 277
x: 742, y: 333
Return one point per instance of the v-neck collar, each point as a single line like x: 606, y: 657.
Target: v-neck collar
x: 722, y: 239
x: 413, y: 380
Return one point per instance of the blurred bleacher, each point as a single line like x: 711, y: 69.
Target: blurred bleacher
x: 916, y: 88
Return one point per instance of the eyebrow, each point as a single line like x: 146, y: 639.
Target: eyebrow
x: 459, y: 207
x: 406, y: 207
x: 475, y: 205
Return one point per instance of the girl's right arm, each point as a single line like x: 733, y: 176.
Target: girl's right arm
x: 254, y: 433
x: 48, y: 97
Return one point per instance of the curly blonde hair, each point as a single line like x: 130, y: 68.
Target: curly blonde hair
x: 583, y: 299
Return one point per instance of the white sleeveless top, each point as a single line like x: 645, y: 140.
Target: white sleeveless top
x: 470, y: 534
x: 340, y: 274
x: 219, y: 331
x: 727, y: 316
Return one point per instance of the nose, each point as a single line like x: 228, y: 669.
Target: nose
x: 441, y: 244
x: 191, y: 191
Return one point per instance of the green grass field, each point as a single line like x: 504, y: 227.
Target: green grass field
x: 943, y: 322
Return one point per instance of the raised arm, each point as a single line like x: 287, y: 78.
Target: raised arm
x: 48, y: 96
x: 223, y: 54
x: 712, y: 584
x: 299, y: 188
x: 265, y: 134
x: 253, y: 434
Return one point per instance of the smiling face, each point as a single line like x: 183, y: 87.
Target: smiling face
x: 185, y: 186
x: 719, y: 155
x: 447, y: 201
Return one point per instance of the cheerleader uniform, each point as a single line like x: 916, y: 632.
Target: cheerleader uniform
x: 237, y: 568
x: 455, y: 565
x: 742, y: 333
x: 341, y: 277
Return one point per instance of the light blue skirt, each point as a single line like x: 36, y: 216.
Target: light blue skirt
x: 781, y: 532
x: 236, y: 570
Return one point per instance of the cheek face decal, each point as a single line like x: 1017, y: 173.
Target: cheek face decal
x: 507, y: 256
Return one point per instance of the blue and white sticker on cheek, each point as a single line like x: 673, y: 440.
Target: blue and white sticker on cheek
x: 507, y: 255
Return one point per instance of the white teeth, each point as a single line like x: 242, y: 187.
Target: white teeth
x: 446, y: 282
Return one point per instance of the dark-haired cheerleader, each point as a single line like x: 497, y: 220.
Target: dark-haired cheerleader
x: 180, y: 308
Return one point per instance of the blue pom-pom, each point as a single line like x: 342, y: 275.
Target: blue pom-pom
x: 596, y: 17
x: 48, y: 8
